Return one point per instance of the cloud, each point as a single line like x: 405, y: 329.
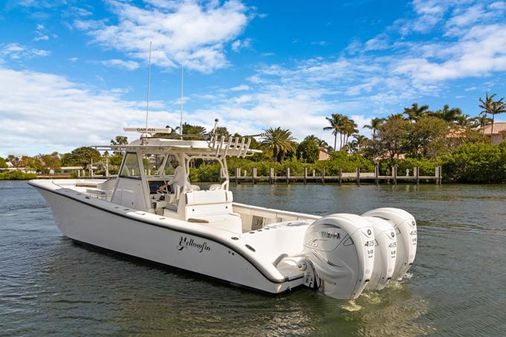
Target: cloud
x: 298, y: 110
x: 16, y: 51
x: 460, y: 39
x: 242, y: 87
x: 237, y: 45
x: 380, y: 42
x: 480, y: 51
x: 129, y: 65
x: 437, y: 43
x: 43, y: 112
x: 498, y: 5
x: 40, y: 34
x: 372, y: 78
x: 429, y: 14
x: 182, y: 32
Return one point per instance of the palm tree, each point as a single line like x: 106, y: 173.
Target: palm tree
x: 280, y: 141
x: 492, y: 107
x: 119, y: 140
x: 464, y: 120
x: 414, y: 112
x: 481, y: 121
x: 349, y: 129
x: 342, y: 125
x: 320, y: 142
x: 375, y: 123
x: 336, y: 124
x: 359, y: 143
x: 451, y: 115
x: 194, y: 132
x: 394, y: 117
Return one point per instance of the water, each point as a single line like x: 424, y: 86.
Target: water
x: 51, y: 286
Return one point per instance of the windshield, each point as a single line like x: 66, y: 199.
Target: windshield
x: 158, y: 165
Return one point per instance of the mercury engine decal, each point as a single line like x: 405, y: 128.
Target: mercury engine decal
x: 184, y: 242
x: 330, y: 235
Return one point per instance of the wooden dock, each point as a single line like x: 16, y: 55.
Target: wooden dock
x: 358, y: 177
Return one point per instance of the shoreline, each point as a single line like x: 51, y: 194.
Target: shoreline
x: 283, y: 183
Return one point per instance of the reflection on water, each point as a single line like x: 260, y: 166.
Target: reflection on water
x: 51, y: 286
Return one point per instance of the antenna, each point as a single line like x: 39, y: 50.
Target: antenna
x: 182, y: 103
x: 213, y: 133
x: 149, y: 85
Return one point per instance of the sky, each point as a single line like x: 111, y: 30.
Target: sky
x: 75, y: 72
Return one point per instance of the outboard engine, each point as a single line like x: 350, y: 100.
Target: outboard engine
x: 340, y: 250
x: 384, y: 253
x: 405, y: 228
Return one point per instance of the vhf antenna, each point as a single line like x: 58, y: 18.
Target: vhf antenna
x: 182, y: 104
x: 149, y: 85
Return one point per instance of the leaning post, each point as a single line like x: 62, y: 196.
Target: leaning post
x: 357, y: 171
x: 376, y: 174
x: 106, y: 165
x: 254, y: 175
x: 340, y: 176
x: 287, y: 175
x: 305, y: 175
x: 417, y: 175
x: 394, y: 174
x: 439, y: 175
x: 323, y: 176
x: 271, y: 175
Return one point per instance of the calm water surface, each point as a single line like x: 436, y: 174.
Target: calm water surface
x: 51, y: 286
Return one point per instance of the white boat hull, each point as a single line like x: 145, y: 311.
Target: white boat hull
x: 334, y: 254
x: 124, y: 230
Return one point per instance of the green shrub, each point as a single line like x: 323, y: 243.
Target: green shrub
x: 346, y: 162
x: 427, y: 166
x: 16, y: 175
x: 476, y: 163
x: 205, y: 173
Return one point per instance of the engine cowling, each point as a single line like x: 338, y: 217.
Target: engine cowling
x: 384, y: 254
x: 340, y: 248
x: 405, y: 229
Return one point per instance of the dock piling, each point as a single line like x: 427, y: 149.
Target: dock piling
x: 322, y: 177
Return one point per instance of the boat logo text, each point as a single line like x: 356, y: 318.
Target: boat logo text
x: 184, y: 242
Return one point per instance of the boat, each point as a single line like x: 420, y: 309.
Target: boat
x: 152, y: 211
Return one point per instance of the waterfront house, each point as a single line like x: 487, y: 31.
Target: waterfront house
x: 323, y: 154
x: 498, y: 135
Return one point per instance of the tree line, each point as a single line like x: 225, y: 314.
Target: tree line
x: 416, y: 136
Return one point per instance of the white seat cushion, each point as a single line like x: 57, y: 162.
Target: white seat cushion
x: 208, y: 197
